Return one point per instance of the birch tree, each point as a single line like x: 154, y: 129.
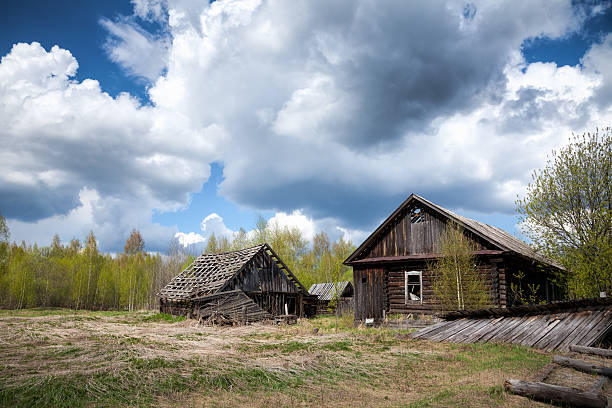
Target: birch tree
x: 457, y: 284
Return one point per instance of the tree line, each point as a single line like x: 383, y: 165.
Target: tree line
x: 78, y: 275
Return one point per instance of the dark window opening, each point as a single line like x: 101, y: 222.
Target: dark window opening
x: 416, y: 215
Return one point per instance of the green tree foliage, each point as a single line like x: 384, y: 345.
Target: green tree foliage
x: 211, y: 246
x: 457, y: 284
x: 78, y: 276
x: 567, y: 212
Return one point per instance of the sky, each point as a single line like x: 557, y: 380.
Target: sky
x: 184, y: 118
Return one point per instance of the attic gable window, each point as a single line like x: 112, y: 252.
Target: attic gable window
x: 413, y: 286
x: 416, y: 215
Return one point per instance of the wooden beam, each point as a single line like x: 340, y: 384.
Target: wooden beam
x: 583, y: 366
x: 555, y: 393
x: 591, y: 350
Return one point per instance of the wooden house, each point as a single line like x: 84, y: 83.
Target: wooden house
x: 391, y: 273
x: 325, y: 292
x: 239, y: 286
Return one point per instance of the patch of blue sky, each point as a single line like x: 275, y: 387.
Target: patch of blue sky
x: 207, y: 201
x: 72, y: 25
x: 568, y: 50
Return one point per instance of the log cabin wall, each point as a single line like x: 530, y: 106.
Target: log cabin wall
x: 397, y: 295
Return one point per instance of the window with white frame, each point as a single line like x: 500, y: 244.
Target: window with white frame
x: 413, y: 286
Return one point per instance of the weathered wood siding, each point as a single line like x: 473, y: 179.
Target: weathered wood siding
x: 403, y: 237
x: 370, y: 293
x: 263, y: 275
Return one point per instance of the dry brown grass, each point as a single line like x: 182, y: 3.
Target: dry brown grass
x: 123, y: 359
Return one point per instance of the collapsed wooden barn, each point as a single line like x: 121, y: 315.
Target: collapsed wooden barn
x: 326, y: 292
x: 391, y: 273
x: 241, y: 286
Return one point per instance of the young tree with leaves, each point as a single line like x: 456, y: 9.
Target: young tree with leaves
x: 457, y: 284
x: 567, y: 212
x: 212, y: 247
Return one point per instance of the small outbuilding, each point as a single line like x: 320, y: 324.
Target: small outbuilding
x: 325, y: 292
x: 391, y: 271
x: 241, y: 286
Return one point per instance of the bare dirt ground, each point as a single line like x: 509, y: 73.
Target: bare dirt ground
x: 68, y: 358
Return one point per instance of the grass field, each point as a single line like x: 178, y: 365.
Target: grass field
x: 68, y: 358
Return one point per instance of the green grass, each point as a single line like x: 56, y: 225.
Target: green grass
x: 343, y: 345
x: 147, y: 379
x: 163, y: 318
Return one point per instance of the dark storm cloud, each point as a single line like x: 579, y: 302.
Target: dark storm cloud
x: 412, y: 65
x: 392, y: 72
x: 31, y: 203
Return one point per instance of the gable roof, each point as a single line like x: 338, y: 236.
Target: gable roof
x: 210, y: 273
x: 326, y: 291
x: 497, y: 237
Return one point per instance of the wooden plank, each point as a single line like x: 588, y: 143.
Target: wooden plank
x: 500, y: 335
x: 592, y: 318
x: 555, y: 393
x: 552, y: 330
x: 531, y: 341
x: 462, y: 336
x: 543, y: 327
x: 527, y: 328
x: 451, y: 329
x: 426, y: 330
x: 557, y: 333
x: 599, y: 331
x: 574, y: 321
x: 436, y: 329
x: 591, y: 350
x: 585, y: 367
x: 506, y: 324
x: 493, y: 325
